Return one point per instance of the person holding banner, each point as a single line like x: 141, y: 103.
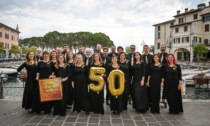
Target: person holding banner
x: 62, y: 71
x: 140, y: 96
x: 125, y: 65
x: 80, y: 85
x: 155, y: 82
x: 31, y: 67
x: 44, y: 71
x: 70, y: 93
x: 173, y: 84
x: 116, y: 103
x: 96, y: 98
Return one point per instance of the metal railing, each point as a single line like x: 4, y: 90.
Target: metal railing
x: 2, y: 85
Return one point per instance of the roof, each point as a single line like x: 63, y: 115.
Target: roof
x: 9, y: 28
x: 188, y: 12
x: 164, y: 22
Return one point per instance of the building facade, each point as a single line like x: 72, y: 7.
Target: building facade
x: 8, y: 37
x: 184, y: 31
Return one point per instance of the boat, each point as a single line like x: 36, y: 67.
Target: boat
x: 9, y: 72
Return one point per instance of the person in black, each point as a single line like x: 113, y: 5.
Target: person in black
x: 116, y: 103
x: 70, y: 93
x: 88, y: 57
x: 120, y: 49
x: 62, y: 71
x: 130, y: 57
x: 53, y: 56
x: 80, y: 85
x: 98, y: 49
x: 125, y: 65
x: 31, y: 67
x: 162, y: 57
x: 39, y: 54
x: 44, y: 71
x: 155, y: 82
x: 172, y: 84
x: 81, y: 52
x: 148, y: 60
x: 96, y: 98
x: 106, y: 61
x: 113, y: 51
x: 140, y: 92
x: 65, y: 50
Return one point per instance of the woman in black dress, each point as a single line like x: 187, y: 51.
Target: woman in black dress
x: 44, y: 71
x: 53, y: 56
x: 116, y: 103
x: 140, y: 96
x: 126, y: 70
x: 70, y: 91
x: 172, y: 85
x: 62, y: 70
x: 80, y: 85
x: 96, y: 100
x: 31, y: 66
x: 155, y: 81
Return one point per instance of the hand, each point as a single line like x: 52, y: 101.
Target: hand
x: 147, y: 83
x: 37, y: 78
x: 142, y: 83
x: 63, y: 79
x: 51, y: 76
x: 72, y: 84
x: 161, y: 84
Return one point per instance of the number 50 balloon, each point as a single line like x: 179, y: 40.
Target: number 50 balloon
x: 95, y: 75
x: 111, y: 80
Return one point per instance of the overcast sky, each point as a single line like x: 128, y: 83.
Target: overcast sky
x: 124, y: 21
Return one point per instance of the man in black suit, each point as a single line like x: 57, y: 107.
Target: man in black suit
x: 65, y: 50
x: 81, y: 51
x: 106, y: 61
x: 120, y: 49
x: 163, y: 54
x: 148, y: 60
x: 39, y: 54
x: 130, y: 56
x: 98, y: 50
x: 113, y: 51
x: 88, y: 56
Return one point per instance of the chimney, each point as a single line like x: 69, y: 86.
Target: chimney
x: 186, y: 9
x: 17, y: 28
x: 201, y: 6
x: 178, y: 12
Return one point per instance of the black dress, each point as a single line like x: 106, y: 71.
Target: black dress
x: 171, y: 81
x: 126, y: 70
x: 116, y: 103
x: 156, y: 75
x: 80, y: 79
x: 60, y: 105
x: 70, y: 91
x: 96, y: 100
x: 31, y: 83
x: 140, y: 96
x: 45, y: 69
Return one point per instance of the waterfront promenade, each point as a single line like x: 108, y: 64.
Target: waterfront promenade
x: 196, y: 113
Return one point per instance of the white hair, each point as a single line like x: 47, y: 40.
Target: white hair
x: 39, y: 49
x: 89, y: 49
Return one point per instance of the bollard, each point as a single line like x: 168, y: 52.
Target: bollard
x: 1, y: 89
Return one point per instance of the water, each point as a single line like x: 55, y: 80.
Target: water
x: 191, y: 91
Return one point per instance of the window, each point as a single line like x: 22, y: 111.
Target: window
x: 205, y: 42
x: 158, y: 45
x: 195, y: 16
x: 174, y: 40
x: 178, y: 39
x: 188, y: 39
x: 176, y: 30
x: 158, y: 35
x: 158, y: 28
x: 185, y: 28
x: 6, y: 36
x: 183, y: 39
x: 7, y: 45
x: 207, y: 28
x: 181, y: 20
x: 206, y: 18
x: 200, y: 40
x: 0, y: 34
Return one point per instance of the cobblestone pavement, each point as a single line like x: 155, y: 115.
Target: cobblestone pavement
x: 196, y: 114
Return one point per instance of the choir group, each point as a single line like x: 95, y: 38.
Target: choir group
x: 145, y: 76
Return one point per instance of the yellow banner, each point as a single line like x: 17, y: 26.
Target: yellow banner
x: 50, y: 89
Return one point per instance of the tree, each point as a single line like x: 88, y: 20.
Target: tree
x: 127, y: 49
x: 152, y: 48
x: 24, y: 49
x: 14, y: 49
x: 200, y: 49
x: 33, y: 49
x: 1, y: 47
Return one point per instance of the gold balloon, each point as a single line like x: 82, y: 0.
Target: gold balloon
x: 111, y: 80
x: 95, y: 75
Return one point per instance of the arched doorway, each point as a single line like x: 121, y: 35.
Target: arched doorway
x: 182, y: 54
